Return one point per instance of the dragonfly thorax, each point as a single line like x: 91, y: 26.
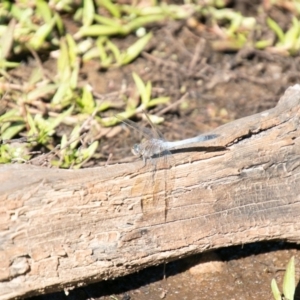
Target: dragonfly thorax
x: 147, y: 149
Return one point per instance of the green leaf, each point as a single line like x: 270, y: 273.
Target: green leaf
x: 104, y: 105
x: 74, y: 137
x: 33, y: 128
x: 43, y: 10
x: 107, y: 21
x: 4, y: 64
x: 87, y: 101
x: 263, y: 44
x: 72, y: 49
x: 100, y: 30
x: 92, y: 149
x: 289, y: 285
x: 88, y: 12
x: 63, y: 62
x: 12, y: 131
x: 59, y: 119
x: 61, y: 93
x: 22, y: 15
x: 155, y: 119
x: 275, y: 290
x: 4, y: 155
x: 86, y: 154
x: 63, y: 143
x: 38, y: 39
x: 9, y: 116
x: 84, y: 45
x: 235, y: 24
x: 75, y: 74
x: 111, y: 7
x: 59, y: 24
x: 142, y: 21
x: 292, y: 34
x: 6, y: 40
x: 111, y: 121
x: 114, y: 49
x: 141, y: 88
x: 157, y: 101
x: 100, y: 45
x: 73, y: 60
x: 99, y: 52
x: 276, y: 28
x: 134, y: 50
x: 41, y: 91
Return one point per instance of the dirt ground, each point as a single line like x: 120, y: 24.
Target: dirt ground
x: 221, y: 86
x: 235, y: 273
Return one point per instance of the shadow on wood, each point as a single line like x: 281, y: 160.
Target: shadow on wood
x: 63, y: 228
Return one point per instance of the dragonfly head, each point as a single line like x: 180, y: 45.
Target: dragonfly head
x: 136, y: 150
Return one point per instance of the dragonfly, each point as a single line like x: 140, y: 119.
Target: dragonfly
x: 155, y: 152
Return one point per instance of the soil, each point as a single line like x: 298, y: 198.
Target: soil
x: 222, y: 86
x: 235, y: 273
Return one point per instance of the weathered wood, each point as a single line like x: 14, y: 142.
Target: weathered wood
x: 62, y: 228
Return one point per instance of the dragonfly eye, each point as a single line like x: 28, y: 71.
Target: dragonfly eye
x: 136, y: 149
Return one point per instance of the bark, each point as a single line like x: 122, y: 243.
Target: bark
x: 66, y: 228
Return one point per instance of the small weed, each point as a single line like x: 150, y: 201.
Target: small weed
x: 138, y: 104
x: 46, y: 102
x: 288, y: 286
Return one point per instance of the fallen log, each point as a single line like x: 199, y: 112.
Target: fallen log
x: 67, y: 228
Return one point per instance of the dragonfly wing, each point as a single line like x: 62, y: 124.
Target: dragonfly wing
x: 156, y: 177
x: 156, y: 131
x: 164, y: 180
x: 145, y: 131
x: 158, y: 188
